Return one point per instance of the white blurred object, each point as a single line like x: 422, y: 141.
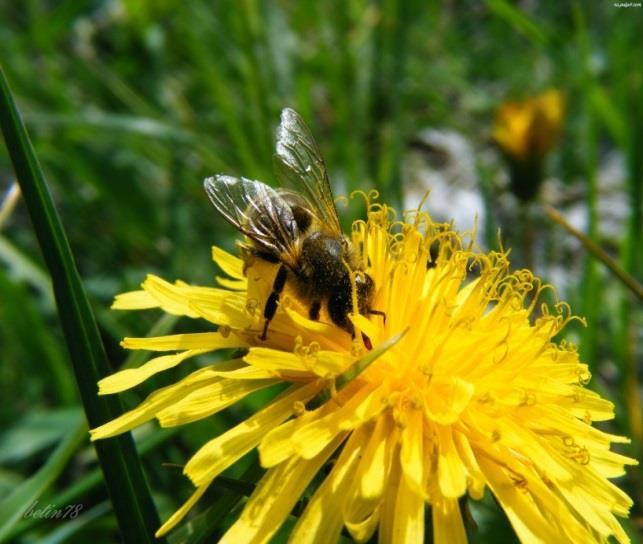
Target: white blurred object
x: 566, y: 267
x: 611, y: 199
x: 443, y: 162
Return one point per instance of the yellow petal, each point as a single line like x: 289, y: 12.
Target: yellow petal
x: 209, y: 399
x: 244, y: 372
x: 317, y: 327
x: 273, y: 359
x: 465, y: 452
x: 230, y: 310
x: 362, y: 508
x: 134, y: 300
x: 608, y: 463
x: 278, y: 444
x: 375, y: 464
x: 539, y: 450
x: 235, y: 285
x: 157, y: 401
x: 310, y: 439
x: 130, y: 377
x: 321, y: 363
x: 411, y: 455
x: 177, y: 299
x: 322, y: 520
x: 594, y: 513
x: 231, y: 265
x: 370, y: 329
x: 328, y: 364
x: 167, y: 296
x: 362, y: 528
x: 218, y: 454
x: 387, y: 507
x: 583, y: 401
x: 557, y: 512
x: 447, y: 522
x: 177, y: 516
x: 553, y: 104
x: 274, y: 497
x: 408, y: 523
x: 600, y: 490
x: 276, y: 447
x: 198, y: 340
x: 446, y: 398
x: 524, y: 515
x: 452, y: 476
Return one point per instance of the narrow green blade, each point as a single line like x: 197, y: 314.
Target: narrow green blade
x: 135, y: 511
x: 25, y: 497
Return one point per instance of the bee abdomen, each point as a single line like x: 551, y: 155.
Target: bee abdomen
x: 322, y: 262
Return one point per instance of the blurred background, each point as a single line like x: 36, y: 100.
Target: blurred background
x: 499, y: 108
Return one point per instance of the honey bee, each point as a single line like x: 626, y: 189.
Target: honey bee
x: 298, y: 228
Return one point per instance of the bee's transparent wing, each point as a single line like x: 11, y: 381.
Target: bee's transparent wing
x: 299, y: 165
x: 258, y: 211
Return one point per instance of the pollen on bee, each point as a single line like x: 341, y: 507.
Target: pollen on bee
x: 356, y: 348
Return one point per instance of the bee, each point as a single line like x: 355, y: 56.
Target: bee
x: 297, y: 227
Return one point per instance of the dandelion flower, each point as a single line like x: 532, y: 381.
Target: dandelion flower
x: 465, y: 389
x: 526, y: 132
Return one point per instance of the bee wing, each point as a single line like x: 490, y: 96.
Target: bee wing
x: 259, y: 212
x: 298, y: 164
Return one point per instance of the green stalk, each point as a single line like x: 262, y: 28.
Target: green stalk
x: 386, y: 138
x: 598, y: 252
x: 133, y: 506
x: 631, y: 258
x: 591, y: 288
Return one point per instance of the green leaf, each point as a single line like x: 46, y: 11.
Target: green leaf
x: 21, y: 268
x: 76, y: 524
x: 362, y: 364
x: 135, y: 511
x: 88, y: 484
x: 25, y: 497
x: 35, y: 432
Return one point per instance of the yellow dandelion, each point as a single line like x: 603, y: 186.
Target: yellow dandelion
x: 464, y: 389
x: 529, y: 129
x: 525, y: 132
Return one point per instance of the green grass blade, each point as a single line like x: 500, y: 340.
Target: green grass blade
x: 598, y: 252
x: 517, y: 19
x: 66, y: 532
x: 19, y: 503
x: 135, y: 511
x: 88, y: 484
x: 20, y: 267
x: 591, y: 292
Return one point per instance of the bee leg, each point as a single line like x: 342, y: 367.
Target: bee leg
x: 367, y: 341
x: 377, y: 312
x: 313, y: 312
x: 271, y: 304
